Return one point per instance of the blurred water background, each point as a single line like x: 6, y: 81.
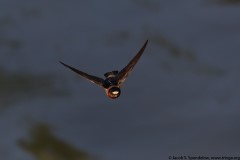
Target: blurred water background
x: 181, y: 99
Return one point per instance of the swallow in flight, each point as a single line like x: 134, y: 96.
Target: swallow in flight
x: 114, y: 79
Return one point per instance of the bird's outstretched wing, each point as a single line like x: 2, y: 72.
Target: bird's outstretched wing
x: 123, y: 74
x: 93, y: 79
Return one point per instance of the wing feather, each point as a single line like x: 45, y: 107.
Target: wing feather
x: 93, y: 79
x: 123, y: 74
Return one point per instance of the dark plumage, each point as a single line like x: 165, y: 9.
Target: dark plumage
x: 114, y: 79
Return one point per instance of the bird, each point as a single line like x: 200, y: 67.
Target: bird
x: 114, y: 79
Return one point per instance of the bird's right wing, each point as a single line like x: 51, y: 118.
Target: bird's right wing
x: 123, y: 74
x: 93, y: 79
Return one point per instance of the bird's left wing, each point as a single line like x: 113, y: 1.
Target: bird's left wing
x: 123, y: 74
x: 93, y: 79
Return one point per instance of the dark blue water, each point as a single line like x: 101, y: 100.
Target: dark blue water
x: 181, y: 99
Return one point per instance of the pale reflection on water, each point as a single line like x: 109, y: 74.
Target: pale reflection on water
x: 44, y: 145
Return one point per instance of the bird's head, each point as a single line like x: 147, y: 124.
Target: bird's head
x: 113, y: 92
